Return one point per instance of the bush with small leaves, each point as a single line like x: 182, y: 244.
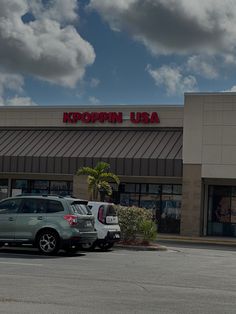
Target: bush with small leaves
x: 131, y: 221
x: 148, y: 230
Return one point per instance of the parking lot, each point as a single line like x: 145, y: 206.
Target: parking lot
x: 180, y: 280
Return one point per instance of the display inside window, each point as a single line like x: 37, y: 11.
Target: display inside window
x: 19, y: 187
x: 3, y: 189
x: 166, y: 189
x: 221, y: 210
x: 130, y: 187
x: 177, y: 189
x: 41, y: 187
x: 40, y: 184
x: 154, y: 188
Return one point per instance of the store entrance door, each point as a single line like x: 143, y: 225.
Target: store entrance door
x: 221, y: 211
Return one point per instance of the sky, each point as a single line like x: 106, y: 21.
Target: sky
x: 115, y: 52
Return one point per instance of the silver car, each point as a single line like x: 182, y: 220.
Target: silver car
x: 47, y: 222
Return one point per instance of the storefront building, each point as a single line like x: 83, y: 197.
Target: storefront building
x: 177, y: 161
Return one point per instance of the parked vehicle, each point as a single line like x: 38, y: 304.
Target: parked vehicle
x: 47, y: 222
x: 106, y: 225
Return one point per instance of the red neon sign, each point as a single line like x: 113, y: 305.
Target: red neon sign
x: 110, y: 117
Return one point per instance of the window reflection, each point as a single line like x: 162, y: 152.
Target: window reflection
x: 163, y: 200
x: 41, y: 187
x: 3, y: 188
x: 221, y: 211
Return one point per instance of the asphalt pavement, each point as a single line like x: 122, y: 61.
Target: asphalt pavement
x: 182, y: 280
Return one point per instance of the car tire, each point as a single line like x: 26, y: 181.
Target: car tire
x: 89, y: 246
x: 48, y: 242
x: 104, y: 246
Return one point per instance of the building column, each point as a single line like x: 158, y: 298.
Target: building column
x: 80, y: 187
x: 191, y: 213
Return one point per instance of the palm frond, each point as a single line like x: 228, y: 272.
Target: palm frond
x: 87, y: 171
x: 102, y: 167
x: 109, y: 176
x: 106, y: 187
x: 91, y: 183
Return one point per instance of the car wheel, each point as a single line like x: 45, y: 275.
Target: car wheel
x: 89, y: 246
x: 105, y: 245
x: 48, y: 242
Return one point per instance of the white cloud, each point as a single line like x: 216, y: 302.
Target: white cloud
x: 58, y: 10
x: 173, y: 80
x: 48, y: 47
x: 13, y: 83
x: 231, y: 90
x: 20, y: 101
x: 174, y: 26
x: 202, y: 66
x: 94, y: 82
x: 93, y: 100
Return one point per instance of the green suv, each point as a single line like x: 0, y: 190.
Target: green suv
x: 47, y: 222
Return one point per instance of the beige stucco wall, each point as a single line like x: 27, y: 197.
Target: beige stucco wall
x: 80, y: 187
x: 170, y: 116
x: 191, y: 213
x: 210, y: 134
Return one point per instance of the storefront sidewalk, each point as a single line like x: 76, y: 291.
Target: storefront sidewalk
x: 230, y: 241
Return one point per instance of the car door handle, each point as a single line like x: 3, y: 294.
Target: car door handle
x: 11, y: 219
x: 40, y: 218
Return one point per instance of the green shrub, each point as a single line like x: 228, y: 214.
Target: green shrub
x: 148, y: 230
x: 133, y: 221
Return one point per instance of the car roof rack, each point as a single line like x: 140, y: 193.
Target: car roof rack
x: 43, y: 195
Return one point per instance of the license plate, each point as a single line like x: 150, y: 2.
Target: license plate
x: 112, y: 220
x: 88, y: 224
x: 116, y: 236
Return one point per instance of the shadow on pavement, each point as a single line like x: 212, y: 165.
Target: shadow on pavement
x: 31, y: 253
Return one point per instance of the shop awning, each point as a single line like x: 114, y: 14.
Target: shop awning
x: 129, y: 152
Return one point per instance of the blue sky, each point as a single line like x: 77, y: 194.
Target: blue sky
x: 104, y: 52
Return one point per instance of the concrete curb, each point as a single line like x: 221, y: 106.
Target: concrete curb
x: 154, y: 247
x: 199, y: 240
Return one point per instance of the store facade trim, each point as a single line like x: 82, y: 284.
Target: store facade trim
x: 129, y: 152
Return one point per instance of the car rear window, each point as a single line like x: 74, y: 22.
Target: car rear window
x: 80, y: 209
x: 111, y: 211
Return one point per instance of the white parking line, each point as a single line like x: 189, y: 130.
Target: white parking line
x: 21, y: 264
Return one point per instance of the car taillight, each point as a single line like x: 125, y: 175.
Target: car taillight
x: 72, y: 219
x: 101, y: 214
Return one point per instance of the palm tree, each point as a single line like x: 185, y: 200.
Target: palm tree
x: 99, y: 178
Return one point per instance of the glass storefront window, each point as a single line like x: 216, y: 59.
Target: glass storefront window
x: 19, y: 187
x: 124, y: 199
x: 166, y: 189
x: 144, y: 188
x: 3, y: 188
x: 41, y: 187
x: 177, y: 189
x: 170, y: 213
x: 61, y: 187
x: 129, y: 187
x: 164, y: 200
x: 151, y: 202
x: 233, y: 210
x: 154, y: 188
x: 40, y: 184
x: 221, y: 211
